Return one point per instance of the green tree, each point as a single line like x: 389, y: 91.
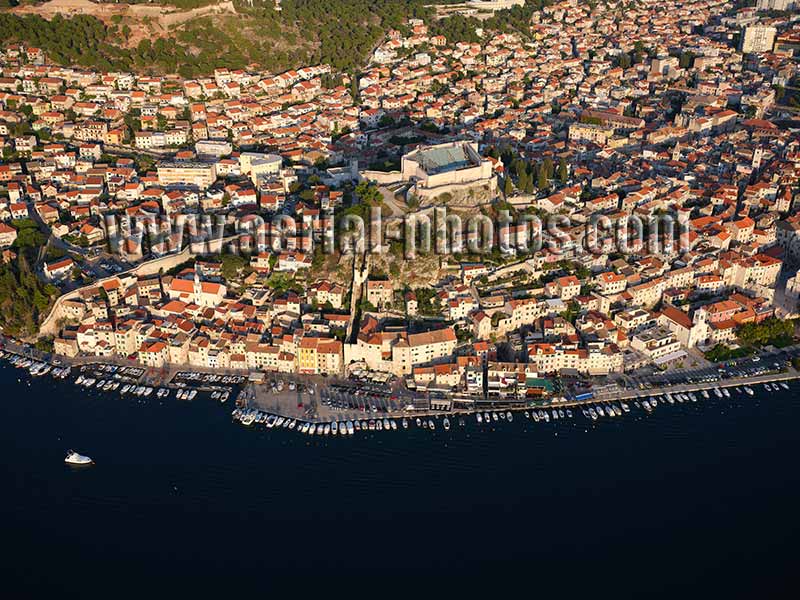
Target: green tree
x: 563, y: 172
x: 508, y: 187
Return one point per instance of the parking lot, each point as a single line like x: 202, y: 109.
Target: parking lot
x: 326, y: 397
x: 364, y: 398
x: 751, y: 366
x: 286, y: 395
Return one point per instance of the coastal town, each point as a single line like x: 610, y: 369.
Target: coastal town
x: 623, y: 113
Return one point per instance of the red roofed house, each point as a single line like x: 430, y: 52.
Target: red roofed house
x: 58, y: 269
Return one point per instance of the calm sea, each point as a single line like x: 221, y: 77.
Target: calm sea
x: 694, y: 499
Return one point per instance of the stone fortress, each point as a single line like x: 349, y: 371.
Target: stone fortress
x: 452, y: 173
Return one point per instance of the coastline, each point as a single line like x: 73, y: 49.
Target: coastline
x: 187, y: 382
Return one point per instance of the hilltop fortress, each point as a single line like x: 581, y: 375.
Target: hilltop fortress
x: 453, y: 173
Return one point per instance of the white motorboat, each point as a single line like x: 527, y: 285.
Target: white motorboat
x: 73, y: 458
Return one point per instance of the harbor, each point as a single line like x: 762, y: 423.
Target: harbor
x: 130, y: 380
x: 593, y: 409
x: 340, y: 407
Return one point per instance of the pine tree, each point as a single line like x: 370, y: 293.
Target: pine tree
x: 524, y: 178
x: 547, y: 167
x: 508, y: 187
x: 542, y: 182
x: 563, y: 172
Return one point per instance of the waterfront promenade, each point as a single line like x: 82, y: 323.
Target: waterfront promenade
x: 623, y: 394
x: 308, y: 407
x: 304, y: 397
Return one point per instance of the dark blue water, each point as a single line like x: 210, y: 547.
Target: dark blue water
x: 695, y: 499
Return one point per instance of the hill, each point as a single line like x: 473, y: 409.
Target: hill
x: 196, y: 36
